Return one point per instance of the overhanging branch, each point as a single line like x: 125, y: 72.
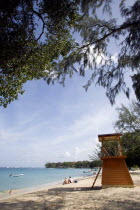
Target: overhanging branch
x: 123, y: 27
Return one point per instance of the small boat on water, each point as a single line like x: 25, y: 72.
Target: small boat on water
x: 92, y: 172
x: 86, y: 171
x: 16, y: 175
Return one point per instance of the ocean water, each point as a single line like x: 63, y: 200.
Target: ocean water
x: 35, y: 177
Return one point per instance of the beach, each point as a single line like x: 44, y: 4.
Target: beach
x: 77, y: 196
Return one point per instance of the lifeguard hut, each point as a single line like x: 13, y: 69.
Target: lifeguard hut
x: 114, y: 170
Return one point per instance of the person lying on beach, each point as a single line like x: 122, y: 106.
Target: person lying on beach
x: 65, y: 181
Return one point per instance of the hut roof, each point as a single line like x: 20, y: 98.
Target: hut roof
x: 109, y: 137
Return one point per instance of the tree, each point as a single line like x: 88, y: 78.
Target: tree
x: 24, y: 56
x: 131, y: 148
x: 128, y: 118
x: 54, y: 54
x: 95, y: 163
x: 78, y: 164
x: 129, y: 124
x: 95, y: 157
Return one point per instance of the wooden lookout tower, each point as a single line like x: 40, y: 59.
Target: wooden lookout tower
x: 114, y: 172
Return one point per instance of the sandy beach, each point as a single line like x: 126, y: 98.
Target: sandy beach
x: 77, y: 196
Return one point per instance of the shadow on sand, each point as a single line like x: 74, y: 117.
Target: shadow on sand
x: 36, y: 201
x: 65, y: 198
x: 52, y: 199
x: 71, y: 189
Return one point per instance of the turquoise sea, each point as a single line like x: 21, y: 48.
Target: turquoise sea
x: 35, y: 177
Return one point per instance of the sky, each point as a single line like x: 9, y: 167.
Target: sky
x: 55, y: 123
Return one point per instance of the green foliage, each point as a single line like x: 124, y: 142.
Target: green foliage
x: 95, y: 163
x: 78, y: 164
x: 129, y: 123
x: 131, y: 148
x: 37, y: 41
x: 93, y: 53
x: 23, y: 55
x: 128, y: 118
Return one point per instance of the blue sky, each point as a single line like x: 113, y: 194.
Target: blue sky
x: 55, y: 123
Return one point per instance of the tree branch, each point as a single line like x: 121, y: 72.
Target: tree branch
x: 40, y: 16
x: 43, y: 27
x: 123, y: 27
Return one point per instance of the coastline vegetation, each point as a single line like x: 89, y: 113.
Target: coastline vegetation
x: 77, y: 164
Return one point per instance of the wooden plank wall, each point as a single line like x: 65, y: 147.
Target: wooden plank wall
x: 115, y: 173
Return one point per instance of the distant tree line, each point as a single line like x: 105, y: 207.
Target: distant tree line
x: 77, y: 164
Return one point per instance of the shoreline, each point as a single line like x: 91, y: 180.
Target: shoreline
x: 78, y: 196
x: 34, y: 177
x: 18, y: 192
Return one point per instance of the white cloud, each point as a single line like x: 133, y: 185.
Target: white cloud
x: 81, y: 136
x: 67, y: 154
x: 114, y: 57
x: 100, y: 58
x: 78, y: 151
x: 88, y: 125
x: 35, y: 137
